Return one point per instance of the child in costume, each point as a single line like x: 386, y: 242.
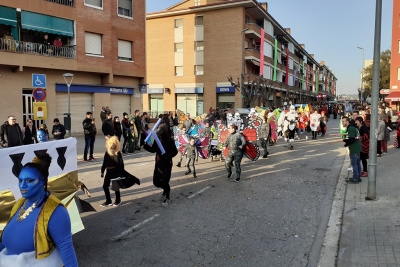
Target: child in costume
x: 132, y: 140
x: 191, y: 155
x: 183, y: 132
x: 39, y: 230
x: 302, y: 125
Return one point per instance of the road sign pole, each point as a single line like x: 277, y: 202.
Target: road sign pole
x: 69, y: 108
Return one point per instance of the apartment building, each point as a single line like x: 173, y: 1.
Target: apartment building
x: 100, y: 42
x: 193, y: 46
x: 394, y: 95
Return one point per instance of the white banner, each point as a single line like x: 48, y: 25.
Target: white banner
x: 63, y: 153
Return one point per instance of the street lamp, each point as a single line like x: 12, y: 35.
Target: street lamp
x: 362, y: 73
x: 67, y: 120
x: 241, y: 61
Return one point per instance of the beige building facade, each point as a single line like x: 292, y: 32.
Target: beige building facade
x: 193, y: 46
x: 102, y: 45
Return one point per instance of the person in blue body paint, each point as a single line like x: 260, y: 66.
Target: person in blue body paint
x: 38, y: 233
x: 41, y: 136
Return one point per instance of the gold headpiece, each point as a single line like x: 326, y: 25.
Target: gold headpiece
x: 36, y: 160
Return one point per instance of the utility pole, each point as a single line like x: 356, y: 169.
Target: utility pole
x: 372, y: 166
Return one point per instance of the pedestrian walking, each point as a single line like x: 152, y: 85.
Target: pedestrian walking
x: 314, y: 123
x: 354, y: 144
x: 29, y: 132
x: 117, y: 128
x: 10, y: 133
x: 58, y: 131
x: 386, y: 138
x: 264, y: 136
x: 108, y: 127
x: 103, y: 115
x: 163, y: 165
x: 138, y: 123
x: 125, y: 130
x: 144, y: 127
x: 364, y: 137
x: 192, y: 155
x: 380, y: 134
x: 114, y: 164
x: 90, y: 131
x: 234, y: 143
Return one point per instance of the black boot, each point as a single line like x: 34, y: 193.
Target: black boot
x: 186, y: 173
x: 179, y: 164
x: 194, y: 175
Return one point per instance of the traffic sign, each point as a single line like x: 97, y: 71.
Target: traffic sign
x: 384, y: 91
x: 38, y: 80
x: 39, y: 94
x: 39, y: 110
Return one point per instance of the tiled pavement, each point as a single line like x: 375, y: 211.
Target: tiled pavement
x: 371, y: 229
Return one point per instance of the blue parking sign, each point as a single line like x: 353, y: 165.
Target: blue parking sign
x: 38, y: 80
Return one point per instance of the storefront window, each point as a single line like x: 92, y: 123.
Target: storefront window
x: 190, y: 103
x: 156, y: 105
x: 226, y: 101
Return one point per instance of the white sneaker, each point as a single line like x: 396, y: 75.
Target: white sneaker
x: 166, y: 202
x: 306, y: 137
x: 298, y: 138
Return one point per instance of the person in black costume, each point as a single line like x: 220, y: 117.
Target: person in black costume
x: 163, y: 164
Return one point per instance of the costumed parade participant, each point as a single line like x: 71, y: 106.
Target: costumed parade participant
x: 264, y: 136
x: 302, y: 125
x: 234, y: 143
x: 323, y: 121
x: 289, y: 126
x: 230, y: 119
x: 192, y: 155
x: 41, y: 136
x: 182, y: 132
x: 114, y: 164
x: 38, y: 233
x: 314, y: 123
x: 163, y: 164
x: 239, y: 121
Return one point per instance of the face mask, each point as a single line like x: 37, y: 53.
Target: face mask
x: 31, y: 184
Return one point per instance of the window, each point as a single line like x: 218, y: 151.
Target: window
x: 125, y: 8
x: 398, y: 74
x: 93, y: 44
x: 179, y: 71
x: 196, y: 2
x: 198, y: 21
x: 179, y: 47
x: 199, y: 70
x: 198, y: 46
x: 178, y: 23
x: 124, y: 50
x: 399, y: 47
x: 247, y: 19
x: 94, y: 3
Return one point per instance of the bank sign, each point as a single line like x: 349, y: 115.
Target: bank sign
x: 88, y: 88
x: 225, y: 89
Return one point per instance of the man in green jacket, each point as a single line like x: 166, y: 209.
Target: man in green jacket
x: 353, y: 142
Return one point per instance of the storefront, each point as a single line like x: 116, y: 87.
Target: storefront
x: 82, y: 101
x: 156, y: 101
x: 190, y: 100
x: 394, y: 99
x: 225, y: 97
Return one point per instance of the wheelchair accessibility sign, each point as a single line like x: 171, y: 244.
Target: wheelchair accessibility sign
x: 38, y: 80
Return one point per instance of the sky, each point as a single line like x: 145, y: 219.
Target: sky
x: 330, y: 29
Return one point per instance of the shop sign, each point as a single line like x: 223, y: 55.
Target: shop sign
x: 225, y: 89
x: 193, y: 90
x: 143, y: 88
x: 155, y: 90
x: 88, y: 88
x: 384, y: 91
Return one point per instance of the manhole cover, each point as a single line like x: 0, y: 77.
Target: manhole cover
x: 322, y: 170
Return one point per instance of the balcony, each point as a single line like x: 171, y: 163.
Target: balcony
x: 10, y: 45
x: 63, y: 2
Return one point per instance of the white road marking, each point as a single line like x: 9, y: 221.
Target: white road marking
x: 199, y: 192
x: 134, y: 227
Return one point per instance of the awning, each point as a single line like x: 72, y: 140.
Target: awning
x: 8, y: 16
x: 393, y: 96
x: 48, y: 24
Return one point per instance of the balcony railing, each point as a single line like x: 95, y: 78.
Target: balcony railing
x: 37, y: 49
x: 63, y: 2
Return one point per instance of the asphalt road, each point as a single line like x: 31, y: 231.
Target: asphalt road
x: 276, y: 216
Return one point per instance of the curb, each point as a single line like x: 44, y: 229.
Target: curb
x: 330, y: 246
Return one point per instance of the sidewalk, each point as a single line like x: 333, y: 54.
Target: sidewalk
x: 370, y: 233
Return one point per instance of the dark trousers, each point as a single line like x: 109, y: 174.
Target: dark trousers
x: 314, y: 134
x: 322, y: 126
x: 237, y: 158
x: 161, y: 179
x: 89, y: 143
x: 106, y: 184
x: 264, y: 144
x: 364, y: 157
x: 190, y: 163
x: 378, y: 147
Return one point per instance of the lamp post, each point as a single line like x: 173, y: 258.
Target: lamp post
x: 362, y: 73
x: 241, y: 63
x: 68, y: 77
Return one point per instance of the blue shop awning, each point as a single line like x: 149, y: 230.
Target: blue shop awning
x: 48, y: 24
x: 8, y: 16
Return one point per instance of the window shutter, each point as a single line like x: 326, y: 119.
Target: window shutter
x: 125, y: 7
x: 124, y: 50
x: 97, y: 3
x: 93, y: 43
